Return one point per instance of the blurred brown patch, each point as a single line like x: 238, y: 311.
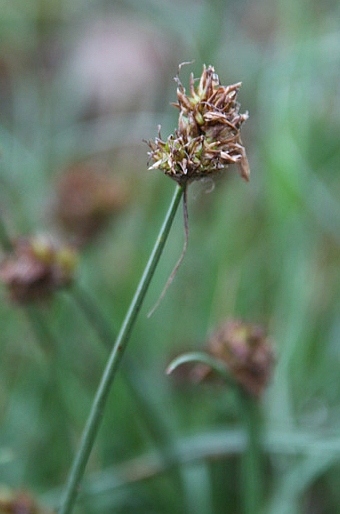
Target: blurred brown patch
x: 87, y: 196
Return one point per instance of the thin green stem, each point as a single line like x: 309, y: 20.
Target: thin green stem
x: 5, y: 240
x: 94, y: 315
x: 132, y: 374
x: 249, y: 410
x: 41, y: 330
x: 136, y: 384
x: 98, y: 406
x: 251, y: 465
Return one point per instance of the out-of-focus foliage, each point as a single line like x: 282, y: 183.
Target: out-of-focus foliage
x: 83, y: 83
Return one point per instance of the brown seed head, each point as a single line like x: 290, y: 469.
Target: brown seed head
x: 86, y: 197
x: 208, y: 135
x: 19, y: 502
x: 36, y: 268
x: 246, y: 352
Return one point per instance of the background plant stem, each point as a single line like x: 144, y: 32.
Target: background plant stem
x: 251, y: 473
x: 104, y: 330
x: 4, y: 237
x: 249, y: 411
x: 98, y: 406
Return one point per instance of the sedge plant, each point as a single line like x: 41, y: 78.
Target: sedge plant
x: 206, y: 141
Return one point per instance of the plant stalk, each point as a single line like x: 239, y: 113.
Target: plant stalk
x: 99, y: 403
x: 105, y: 332
x: 4, y: 237
x: 251, y: 465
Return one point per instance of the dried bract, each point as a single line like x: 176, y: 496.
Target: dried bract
x: 208, y: 135
x: 36, y: 268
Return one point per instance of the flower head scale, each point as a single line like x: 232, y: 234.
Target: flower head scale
x: 208, y: 135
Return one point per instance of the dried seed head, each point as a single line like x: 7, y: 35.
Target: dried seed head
x: 208, y: 135
x: 87, y: 195
x: 246, y: 352
x: 36, y: 268
x: 19, y: 502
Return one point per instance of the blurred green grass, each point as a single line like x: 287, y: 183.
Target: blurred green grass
x: 267, y: 252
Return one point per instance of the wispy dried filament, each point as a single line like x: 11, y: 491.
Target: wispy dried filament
x: 208, y: 135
